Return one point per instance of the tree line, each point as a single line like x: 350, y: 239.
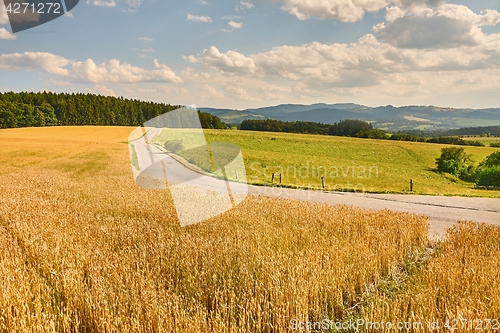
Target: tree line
x: 449, y: 140
x: 342, y: 128
x: 27, y: 109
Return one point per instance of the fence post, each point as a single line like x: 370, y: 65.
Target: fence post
x: 280, y: 178
x: 323, y: 182
x: 272, y: 179
x: 236, y: 172
x: 411, y: 185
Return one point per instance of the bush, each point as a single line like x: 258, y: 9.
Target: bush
x: 475, y: 143
x: 452, y: 160
x: 372, y: 134
x: 469, y: 174
x: 495, y: 144
x: 490, y: 177
x: 491, y: 160
x: 449, y: 140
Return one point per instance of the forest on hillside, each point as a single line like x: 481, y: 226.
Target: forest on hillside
x: 28, y: 109
x: 342, y: 128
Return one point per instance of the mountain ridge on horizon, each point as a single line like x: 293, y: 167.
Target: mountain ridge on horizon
x: 391, y: 118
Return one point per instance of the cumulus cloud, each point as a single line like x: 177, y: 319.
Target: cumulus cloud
x: 343, y: 10
x: 196, y: 18
x: 350, y: 10
x: 244, y: 5
x: 367, y: 62
x: 134, y: 3
x: 235, y: 25
x: 47, y: 62
x: 87, y: 71
x: 229, y: 62
x: 445, y: 26
x: 5, y: 34
x: 102, y: 3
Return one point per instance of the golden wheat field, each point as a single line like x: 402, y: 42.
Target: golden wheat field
x: 83, y: 249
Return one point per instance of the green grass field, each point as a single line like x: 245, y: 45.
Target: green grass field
x: 347, y: 163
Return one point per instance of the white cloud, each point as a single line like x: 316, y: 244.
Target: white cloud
x: 101, y: 90
x: 87, y: 71
x: 146, y: 39
x: 102, y: 3
x: 117, y: 72
x: 229, y: 62
x: 47, y: 62
x: 5, y: 34
x: 343, y: 10
x: 240, y: 93
x: 446, y: 26
x: 191, y: 59
x: 347, y: 10
x: 244, y: 5
x: 189, y: 74
x: 196, y: 18
x: 209, y: 92
x: 235, y: 25
x: 367, y: 62
x: 274, y: 92
x: 134, y: 3
x: 203, y: 2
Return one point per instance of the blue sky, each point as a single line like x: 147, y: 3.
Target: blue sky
x: 242, y: 54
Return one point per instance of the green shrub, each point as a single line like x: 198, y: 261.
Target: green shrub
x: 490, y: 177
x: 475, y: 143
x: 372, y: 134
x: 452, y: 160
x: 491, y: 160
x: 469, y: 174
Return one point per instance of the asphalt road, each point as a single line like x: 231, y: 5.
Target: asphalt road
x: 442, y: 212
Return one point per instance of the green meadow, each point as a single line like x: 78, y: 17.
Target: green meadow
x: 347, y: 164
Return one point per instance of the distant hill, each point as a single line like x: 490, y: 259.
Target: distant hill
x: 233, y: 116
x: 425, y: 118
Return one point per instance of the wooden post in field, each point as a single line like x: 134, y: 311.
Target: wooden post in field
x: 411, y: 185
x: 323, y: 182
x: 236, y: 173
x: 280, y: 178
x: 272, y: 179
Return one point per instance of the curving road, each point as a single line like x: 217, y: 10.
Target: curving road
x: 443, y: 212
